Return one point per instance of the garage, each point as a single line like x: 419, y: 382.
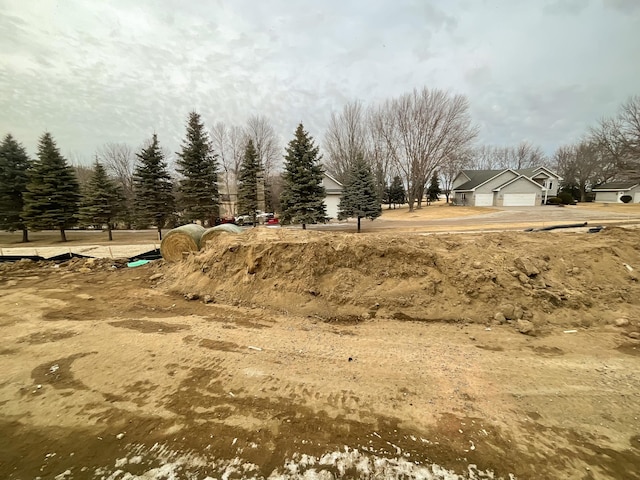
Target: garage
x: 519, y: 200
x: 636, y: 198
x: 484, y: 199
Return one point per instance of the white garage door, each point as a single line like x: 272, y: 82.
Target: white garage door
x: 519, y: 199
x: 484, y: 199
x: 636, y: 198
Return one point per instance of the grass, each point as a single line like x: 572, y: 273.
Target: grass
x: 80, y: 237
x: 435, y: 211
x: 631, y: 208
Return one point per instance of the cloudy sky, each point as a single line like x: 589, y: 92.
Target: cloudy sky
x: 117, y: 70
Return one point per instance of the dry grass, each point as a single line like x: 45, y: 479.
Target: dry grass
x: 80, y: 237
x: 435, y: 211
x: 630, y: 208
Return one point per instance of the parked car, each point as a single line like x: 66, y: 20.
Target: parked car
x: 244, y: 220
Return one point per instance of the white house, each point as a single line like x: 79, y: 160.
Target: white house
x: 333, y: 190
x: 506, y: 187
x: 612, y: 192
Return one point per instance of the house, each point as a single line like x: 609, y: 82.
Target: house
x: 333, y: 190
x: 505, y: 188
x: 612, y: 192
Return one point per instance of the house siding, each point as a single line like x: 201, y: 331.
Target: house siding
x: 519, y: 186
x: 614, y: 197
x: 501, y: 179
x: 459, y: 180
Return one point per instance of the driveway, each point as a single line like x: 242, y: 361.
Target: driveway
x: 501, y: 218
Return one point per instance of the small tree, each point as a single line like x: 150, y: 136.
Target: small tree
x: 303, y: 194
x: 199, y: 165
x: 53, y: 194
x: 153, y: 186
x: 102, y: 200
x: 14, y: 166
x: 433, y: 192
x: 248, y: 182
x: 359, y: 198
x: 397, y: 194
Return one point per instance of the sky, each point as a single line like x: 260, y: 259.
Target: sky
x: 91, y: 72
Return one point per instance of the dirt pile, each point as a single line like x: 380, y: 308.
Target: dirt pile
x: 541, y: 278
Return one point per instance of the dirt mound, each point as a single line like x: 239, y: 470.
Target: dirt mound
x: 534, y: 278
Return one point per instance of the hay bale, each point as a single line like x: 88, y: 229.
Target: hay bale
x: 181, y: 240
x: 211, y: 233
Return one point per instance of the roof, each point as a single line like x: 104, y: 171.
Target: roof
x: 615, y: 186
x: 477, y: 178
x: 531, y: 172
x: 521, y: 177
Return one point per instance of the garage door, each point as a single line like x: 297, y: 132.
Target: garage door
x: 519, y: 199
x: 484, y: 199
x: 636, y: 198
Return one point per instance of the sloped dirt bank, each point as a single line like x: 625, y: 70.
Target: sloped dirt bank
x: 539, y: 279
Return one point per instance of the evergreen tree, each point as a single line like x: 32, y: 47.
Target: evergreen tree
x: 199, y: 165
x: 52, y: 195
x: 359, y: 198
x: 397, y: 193
x: 14, y: 166
x: 433, y: 192
x: 248, y: 182
x: 302, y: 198
x: 102, y: 200
x: 153, y: 186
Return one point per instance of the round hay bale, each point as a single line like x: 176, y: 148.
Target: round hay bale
x: 181, y: 240
x: 211, y: 233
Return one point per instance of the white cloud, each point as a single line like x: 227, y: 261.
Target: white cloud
x: 93, y: 72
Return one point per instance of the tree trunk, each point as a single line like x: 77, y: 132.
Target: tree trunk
x: 109, y: 231
x: 583, y: 195
x: 25, y: 235
x: 63, y: 237
x: 304, y: 226
x: 159, y: 233
x: 359, y: 224
x: 446, y: 194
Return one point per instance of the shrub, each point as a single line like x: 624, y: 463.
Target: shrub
x: 553, y: 201
x: 626, y: 198
x: 566, y: 198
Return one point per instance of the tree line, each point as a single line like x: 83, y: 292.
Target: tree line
x: 410, y: 147
x: 45, y: 193
x: 410, y: 138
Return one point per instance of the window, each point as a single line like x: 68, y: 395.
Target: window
x: 550, y: 185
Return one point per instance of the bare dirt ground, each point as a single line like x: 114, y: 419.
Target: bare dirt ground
x: 290, y: 354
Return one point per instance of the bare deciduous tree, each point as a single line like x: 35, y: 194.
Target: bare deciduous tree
x: 523, y: 155
x: 422, y: 129
x: 451, y: 167
x: 229, y: 144
x: 583, y: 166
x: 620, y: 138
x: 269, y: 152
x: 345, y: 140
x: 119, y: 160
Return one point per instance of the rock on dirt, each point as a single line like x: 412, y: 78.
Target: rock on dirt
x: 191, y: 296
x: 526, y: 266
x: 156, y: 276
x: 621, y: 322
x: 634, y: 335
x: 525, y: 327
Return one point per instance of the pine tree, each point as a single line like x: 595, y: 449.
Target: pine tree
x: 397, y: 192
x: 433, y: 192
x: 359, y: 198
x: 248, y: 182
x: 153, y: 186
x: 199, y: 165
x: 14, y: 166
x: 53, y: 194
x: 102, y: 200
x: 302, y: 198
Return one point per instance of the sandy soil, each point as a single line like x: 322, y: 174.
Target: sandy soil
x: 397, y: 357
